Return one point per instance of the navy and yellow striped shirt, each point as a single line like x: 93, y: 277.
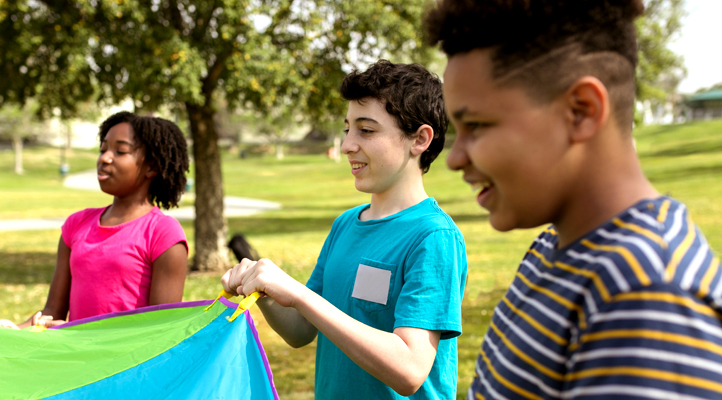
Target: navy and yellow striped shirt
x: 631, y: 310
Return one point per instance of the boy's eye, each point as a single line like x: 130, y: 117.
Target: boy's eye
x: 366, y: 131
x: 345, y: 131
x: 474, y: 126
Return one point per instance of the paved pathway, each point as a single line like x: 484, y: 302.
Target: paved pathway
x: 87, y: 180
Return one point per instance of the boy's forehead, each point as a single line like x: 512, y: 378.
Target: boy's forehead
x: 468, y: 77
x: 475, y: 64
x: 470, y: 86
x: 367, y: 108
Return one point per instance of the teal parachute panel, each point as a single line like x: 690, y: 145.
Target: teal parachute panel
x: 176, y: 351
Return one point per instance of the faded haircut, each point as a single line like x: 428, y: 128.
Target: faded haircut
x: 544, y: 46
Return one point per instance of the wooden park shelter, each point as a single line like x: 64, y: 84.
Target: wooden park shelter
x: 705, y: 105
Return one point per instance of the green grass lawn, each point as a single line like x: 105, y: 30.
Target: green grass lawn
x: 683, y: 161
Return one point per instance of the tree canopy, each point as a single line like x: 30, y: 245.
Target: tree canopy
x: 660, y: 70
x: 256, y: 54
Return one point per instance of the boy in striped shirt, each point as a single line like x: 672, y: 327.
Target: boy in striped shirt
x: 620, y: 297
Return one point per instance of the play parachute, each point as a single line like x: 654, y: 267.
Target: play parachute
x: 170, y: 351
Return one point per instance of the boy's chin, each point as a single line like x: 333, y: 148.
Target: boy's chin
x: 501, y: 226
x: 505, y: 222
x: 362, y: 188
x: 365, y: 187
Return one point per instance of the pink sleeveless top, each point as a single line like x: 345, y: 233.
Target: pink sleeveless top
x: 111, y: 266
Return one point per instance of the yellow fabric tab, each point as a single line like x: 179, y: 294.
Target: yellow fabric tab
x: 37, y: 328
x: 224, y: 294
x: 244, y: 305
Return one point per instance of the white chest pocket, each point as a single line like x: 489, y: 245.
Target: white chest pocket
x: 372, y: 284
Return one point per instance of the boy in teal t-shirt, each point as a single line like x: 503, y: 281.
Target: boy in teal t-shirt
x: 385, y: 296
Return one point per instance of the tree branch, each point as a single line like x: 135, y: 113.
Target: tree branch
x: 175, y: 16
x: 214, y: 72
x: 199, y: 30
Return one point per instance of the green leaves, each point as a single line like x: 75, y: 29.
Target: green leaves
x: 42, y: 53
x: 262, y: 54
x: 660, y: 70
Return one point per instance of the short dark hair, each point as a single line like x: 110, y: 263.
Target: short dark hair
x: 412, y: 94
x: 166, y: 151
x: 546, y: 45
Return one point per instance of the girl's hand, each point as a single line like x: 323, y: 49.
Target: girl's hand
x: 262, y: 276
x: 45, y: 320
x: 8, y: 324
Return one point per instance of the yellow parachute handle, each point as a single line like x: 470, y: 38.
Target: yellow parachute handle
x: 244, y: 305
x: 38, y: 328
x: 223, y: 294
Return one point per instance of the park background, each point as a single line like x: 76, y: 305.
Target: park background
x: 255, y: 103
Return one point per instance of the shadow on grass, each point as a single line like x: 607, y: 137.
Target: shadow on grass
x: 274, y: 225
x: 685, y: 149
x: 661, y: 130
x: 447, y: 201
x: 26, y: 268
x: 684, y: 173
x: 469, y: 217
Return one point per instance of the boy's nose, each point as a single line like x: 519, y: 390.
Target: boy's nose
x: 348, y: 145
x: 457, y: 157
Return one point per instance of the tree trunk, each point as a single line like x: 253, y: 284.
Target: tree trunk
x: 210, y: 224
x: 279, y: 150
x: 18, y: 148
x: 337, y: 148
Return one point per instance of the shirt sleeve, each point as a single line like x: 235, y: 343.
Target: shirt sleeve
x: 167, y: 232
x: 315, y: 282
x: 69, y: 226
x: 656, y: 342
x: 434, y: 279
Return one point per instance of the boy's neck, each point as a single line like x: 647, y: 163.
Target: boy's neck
x: 405, y: 194
x: 611, y: 182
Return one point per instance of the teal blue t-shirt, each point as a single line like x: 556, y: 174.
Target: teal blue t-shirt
x: 405, y: 270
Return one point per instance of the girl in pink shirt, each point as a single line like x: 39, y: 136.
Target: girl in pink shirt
x: 128, y: 254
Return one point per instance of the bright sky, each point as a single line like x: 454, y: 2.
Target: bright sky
x: 699, y: 44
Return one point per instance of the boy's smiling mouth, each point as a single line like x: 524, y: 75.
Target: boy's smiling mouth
x: 357, y: 167
x: 484, y: 189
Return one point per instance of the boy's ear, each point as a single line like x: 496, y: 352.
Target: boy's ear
x: 587, y: 102
x: 424, y: 136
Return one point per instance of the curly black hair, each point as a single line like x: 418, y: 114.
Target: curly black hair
x: 413, y: 96
x: 166, y: 151
x: 546, y: 45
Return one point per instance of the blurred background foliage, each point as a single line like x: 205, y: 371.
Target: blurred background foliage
x: 278, y: 62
